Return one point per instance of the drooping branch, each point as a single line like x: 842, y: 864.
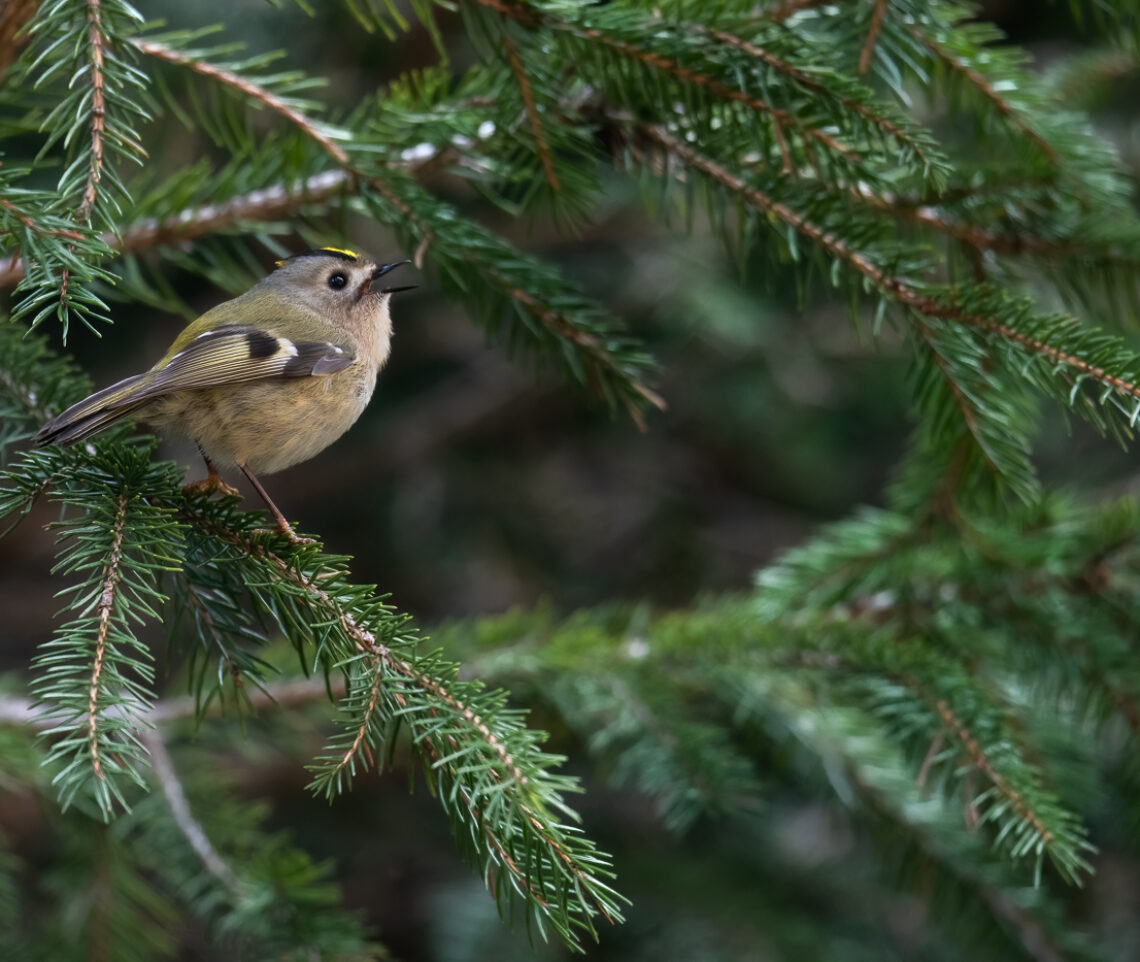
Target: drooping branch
x: 809, y: 82
x: 897, y: 288
x: 385, y: 661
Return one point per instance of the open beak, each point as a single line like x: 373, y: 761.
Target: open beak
x: 382, y: 269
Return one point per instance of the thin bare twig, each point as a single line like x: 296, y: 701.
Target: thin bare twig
x: 189, y: 826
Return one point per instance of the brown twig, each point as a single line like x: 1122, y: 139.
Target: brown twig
x: 24, y: 218
x: 531, y: 111
x: 251, y: 90
x: 95, y: 41
x: 896, y: 287
x: 981, y: 762
x: 987, y: 90
x: 194, y: 222
x: 778, y: 115
x: 105, y: 607
x: 872, y: 35
x: 809, y: 82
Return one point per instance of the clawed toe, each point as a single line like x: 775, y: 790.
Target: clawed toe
x: 287, y: 531
x: 209, y: 485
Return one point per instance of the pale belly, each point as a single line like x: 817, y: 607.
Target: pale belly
x: 267, y: 425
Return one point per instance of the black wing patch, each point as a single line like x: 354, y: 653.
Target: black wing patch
x: 241, y: 352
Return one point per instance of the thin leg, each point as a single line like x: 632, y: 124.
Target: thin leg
x: 212, y: 482
x: 283, y: 526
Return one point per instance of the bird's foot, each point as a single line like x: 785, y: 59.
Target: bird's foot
x: 285, y: 529
x: 211, y: 484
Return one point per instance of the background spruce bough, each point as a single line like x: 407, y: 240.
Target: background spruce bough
x: 956, y: 669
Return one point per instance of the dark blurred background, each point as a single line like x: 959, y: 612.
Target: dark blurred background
x: 476, y: 482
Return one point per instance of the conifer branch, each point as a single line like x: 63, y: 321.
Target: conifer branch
x: 872, y: 35
x: 254, y: 91
x: 441, y: 744
x: 809, y: 82
x: 531, y: 107
x: 780, y: 117
x: 981, y: 762
x: 896, y: 287
x: 270, y: 203
x: 96, y: 42
x: 976, y: 79
x: 33, y: 225
x: 965, y: 405
x: 104, y: 608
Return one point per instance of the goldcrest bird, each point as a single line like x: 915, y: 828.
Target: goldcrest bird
x: 263, y: 381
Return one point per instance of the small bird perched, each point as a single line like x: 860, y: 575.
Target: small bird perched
x: 263, y: 381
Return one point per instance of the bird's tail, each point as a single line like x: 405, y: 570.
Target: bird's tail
x: 91, y: 415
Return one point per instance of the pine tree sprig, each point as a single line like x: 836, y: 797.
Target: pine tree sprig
x: 967, y: 67
x: 532, y: 115
x: 489, y: 775
x: 94, y: 676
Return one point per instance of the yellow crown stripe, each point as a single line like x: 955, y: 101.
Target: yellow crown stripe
x: 343, y: 250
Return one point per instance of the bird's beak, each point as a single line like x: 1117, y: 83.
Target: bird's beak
x: 380, y: 270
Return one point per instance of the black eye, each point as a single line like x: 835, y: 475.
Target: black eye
x: 337, y: 281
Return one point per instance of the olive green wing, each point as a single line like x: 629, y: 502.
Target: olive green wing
x: 225, y: 354
x: 241, y: 352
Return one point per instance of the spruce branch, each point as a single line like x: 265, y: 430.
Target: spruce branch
x: 277, y: 202
x: 258, y: 92
x: 1058, y: 341
x: 872, y: 35
x: 921, y: 145
x: 490, y: 776
x: 958, y: 64
x: 94, y: 676
x: 104, y: 609
x: 533, y: 118
x: 95, y: 41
